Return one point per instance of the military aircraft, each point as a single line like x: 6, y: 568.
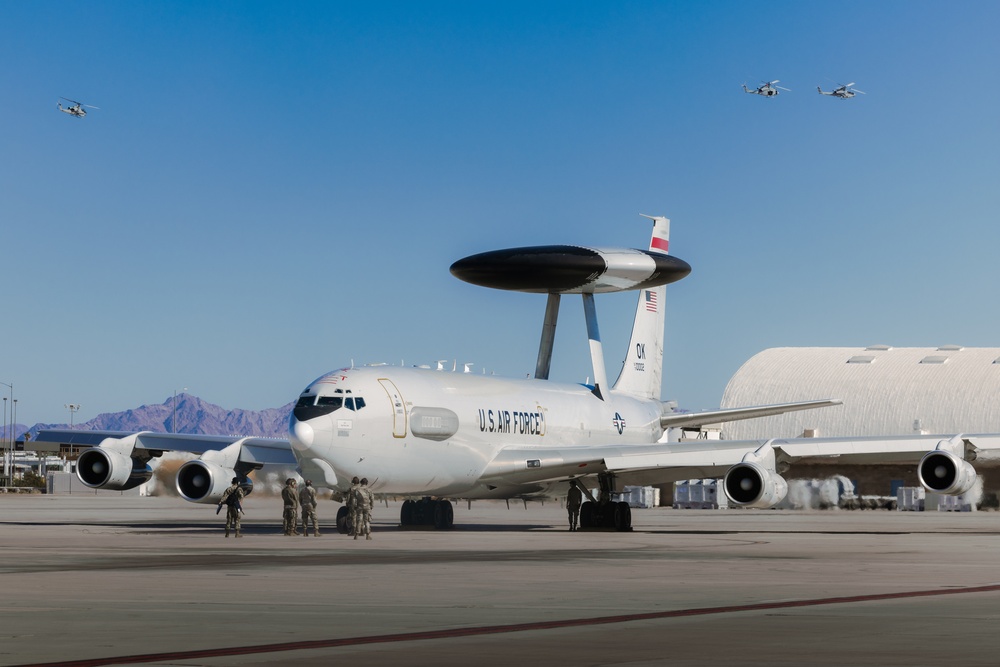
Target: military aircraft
x: 431, y: 436
x: 75, y: 109
x: 767, y: 89
x: 844, y: 92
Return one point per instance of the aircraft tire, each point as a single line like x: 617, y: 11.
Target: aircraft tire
x: 587, y: 515
x: 622, y: 516
x: 343, y: 521
x: 406, y: 513
x: 444, y: 515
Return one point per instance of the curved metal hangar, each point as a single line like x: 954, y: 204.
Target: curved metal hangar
x: 886, y: 390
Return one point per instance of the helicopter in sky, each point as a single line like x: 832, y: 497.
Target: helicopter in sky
x: 767, y: 89
x: 76, y: 109
x: 844, y: 92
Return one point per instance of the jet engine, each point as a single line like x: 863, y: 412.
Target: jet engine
x: 101, y: 468
x: 750, y: 484
x: 201, y: 481
x: 941, y: 471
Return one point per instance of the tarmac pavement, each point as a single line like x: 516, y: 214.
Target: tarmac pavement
x: 92, y: 580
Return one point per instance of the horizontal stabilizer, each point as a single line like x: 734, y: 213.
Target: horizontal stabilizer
x: 698, y: 419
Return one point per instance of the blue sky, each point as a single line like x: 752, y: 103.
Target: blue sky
x: 272, y: 190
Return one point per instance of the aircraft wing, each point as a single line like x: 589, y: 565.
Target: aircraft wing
x: 723, y: 453
x: 259, y: 450
x: 673, y: 461
x: 693, y: 419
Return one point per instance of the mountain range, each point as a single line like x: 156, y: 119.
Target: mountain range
x: 189, y: 414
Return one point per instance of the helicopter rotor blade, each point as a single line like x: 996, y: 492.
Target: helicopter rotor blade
x: 91, y: 106
x: 69, y: 100
x: 783, y: 88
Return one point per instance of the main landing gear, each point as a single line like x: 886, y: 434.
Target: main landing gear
x: 606, y: 512
x: 426, y: 512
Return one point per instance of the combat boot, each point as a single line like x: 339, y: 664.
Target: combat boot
x: 315, y: 533
x: 227, y: 532
x: 238, y: 534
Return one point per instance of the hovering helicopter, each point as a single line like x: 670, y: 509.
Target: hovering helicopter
x: 844, y: 92
x: 767, y: 89
x: 76, y: 109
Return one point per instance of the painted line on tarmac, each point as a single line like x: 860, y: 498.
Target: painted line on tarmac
x: 500, y: 629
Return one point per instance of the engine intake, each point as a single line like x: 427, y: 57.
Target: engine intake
x: 750, y: 484
x: 943, y: 472
x: 101, y: 468
x: 204, y: 482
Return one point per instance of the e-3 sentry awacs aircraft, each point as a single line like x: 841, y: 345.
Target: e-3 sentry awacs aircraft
x: 432, y: 435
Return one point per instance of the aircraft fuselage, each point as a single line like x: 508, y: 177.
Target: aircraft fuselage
x: 435, y: 433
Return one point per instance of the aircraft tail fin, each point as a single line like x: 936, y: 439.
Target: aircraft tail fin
x: 642, y: 372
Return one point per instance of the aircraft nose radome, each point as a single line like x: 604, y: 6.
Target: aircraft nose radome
x: 301, y: 434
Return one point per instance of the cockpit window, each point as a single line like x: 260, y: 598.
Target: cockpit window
x: 331, y: 401
x: 305, y: 401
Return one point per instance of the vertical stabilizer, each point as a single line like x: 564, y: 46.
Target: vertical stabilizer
x: 642, y: 373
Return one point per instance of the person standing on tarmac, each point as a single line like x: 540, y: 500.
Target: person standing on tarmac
x: 574, y: 498
x: 232, y: 498
x: 353, y: 502
x: 291, y: 501
x: 367, y: 503
x: 307, y: 497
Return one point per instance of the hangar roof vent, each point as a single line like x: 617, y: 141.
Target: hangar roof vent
x: 861, y: 359
x: 934, y: 359
x: 950, y: 348
x: 875, y: 348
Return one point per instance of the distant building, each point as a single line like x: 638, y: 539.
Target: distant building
x: 886, y: 391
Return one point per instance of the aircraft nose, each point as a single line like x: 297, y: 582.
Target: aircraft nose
x: 301, y: 434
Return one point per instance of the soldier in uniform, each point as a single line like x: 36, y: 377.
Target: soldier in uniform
x: 307, y: 497
x: 353, y: 506
x: 367, y: 503
x: 291, y: 501
x: 573, y: 501
x: 232, y: 498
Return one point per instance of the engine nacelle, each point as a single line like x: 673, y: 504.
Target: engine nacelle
x: 101, y: 468
x: 941, y: 471
x: 204, y: 482
x: 750, y: 484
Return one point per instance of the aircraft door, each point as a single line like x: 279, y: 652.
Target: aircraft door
x: 398, y: 408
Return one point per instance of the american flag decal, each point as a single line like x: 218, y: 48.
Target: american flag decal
x: 651, y: 301
x: 656, y: 243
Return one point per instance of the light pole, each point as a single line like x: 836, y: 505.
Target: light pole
x: 4, y: 440
x: 13, y: 437
x: 73, y: 408
x: 173, y: 416
x: 8, y: 467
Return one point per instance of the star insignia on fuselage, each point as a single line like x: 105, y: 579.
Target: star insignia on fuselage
x: 619, y: 423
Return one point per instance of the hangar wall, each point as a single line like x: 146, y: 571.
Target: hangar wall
x: 886, y: 391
